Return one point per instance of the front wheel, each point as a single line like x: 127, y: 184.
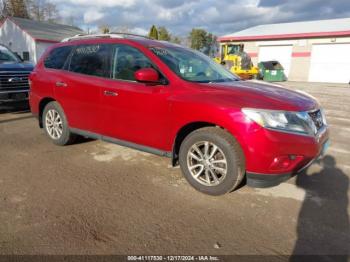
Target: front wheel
x: 212, y: 161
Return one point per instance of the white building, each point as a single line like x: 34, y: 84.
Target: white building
x: 29, y: 39
x: 315, y: 51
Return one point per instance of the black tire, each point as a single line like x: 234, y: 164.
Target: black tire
x: 235, y: 169
x: 66, y: 137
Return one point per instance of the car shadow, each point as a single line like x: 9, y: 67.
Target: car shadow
x: 82, y: 140
x: 19, y: 107
x: 323, y: 222
x: 15, y: 119
x: 22, y: 107
x: 16, y: 109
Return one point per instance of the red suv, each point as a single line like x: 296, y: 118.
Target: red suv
x: 176, y: 102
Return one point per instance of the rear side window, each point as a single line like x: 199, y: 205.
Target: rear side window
x: 57, y: 58
x: 91, y: 60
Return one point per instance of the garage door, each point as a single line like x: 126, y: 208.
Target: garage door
x: 283, y: 54
x: 330, y: 63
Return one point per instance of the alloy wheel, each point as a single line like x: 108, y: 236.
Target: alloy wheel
x: 54, y: 124
x: 207, y: 163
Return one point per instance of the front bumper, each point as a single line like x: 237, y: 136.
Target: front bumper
x: 318, y: 147
x: 271, y: 180
x: 265, y: 180
x: 263, y: 148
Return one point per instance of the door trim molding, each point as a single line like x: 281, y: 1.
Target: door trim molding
x: 120, y: 142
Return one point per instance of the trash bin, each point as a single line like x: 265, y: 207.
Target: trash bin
x: 271, y: 71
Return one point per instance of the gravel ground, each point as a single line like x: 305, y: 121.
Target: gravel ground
x: 99, y: 198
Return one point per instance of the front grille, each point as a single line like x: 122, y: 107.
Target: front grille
x: 12, y: 81
x: 317, y: 118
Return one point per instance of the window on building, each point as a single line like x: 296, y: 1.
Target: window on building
x: 26, y: 56
x: 91, y: 60
x: 57, y: 58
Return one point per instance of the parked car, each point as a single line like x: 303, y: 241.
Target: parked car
x: 14, y: 74
x: 173, y: 101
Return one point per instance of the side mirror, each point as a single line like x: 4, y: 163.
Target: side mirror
x: 147, y: 75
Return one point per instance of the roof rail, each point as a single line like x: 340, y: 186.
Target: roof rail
x: 109, y: 35
x: 126, y: 35
x: 85, y: 36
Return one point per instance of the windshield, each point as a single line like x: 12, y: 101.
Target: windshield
x: 193, y: 66
x: 7, y: 56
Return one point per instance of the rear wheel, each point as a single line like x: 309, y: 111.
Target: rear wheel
x: 212, y: 161
x: 56, y: 126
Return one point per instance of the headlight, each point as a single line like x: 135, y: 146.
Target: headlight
x: 295, y: 122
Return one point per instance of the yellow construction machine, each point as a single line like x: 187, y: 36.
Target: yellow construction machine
x: 233, y: 57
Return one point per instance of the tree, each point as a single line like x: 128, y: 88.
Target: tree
x: 4, y: 9
x: 122, y: 29
x: 43, y: 10
x: 163, y: 34
x: 51, y: 12
x: 176, y: 40
x: 37, y: 10
x: 153, y: 33
x: 17, y: 8
x: 198, y: 38
x: 105, y: 29
x: 202, y: 40
x: 69, y: 20
x: 211, y: 45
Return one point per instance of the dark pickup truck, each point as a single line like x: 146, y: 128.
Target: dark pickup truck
x: 14, y: 72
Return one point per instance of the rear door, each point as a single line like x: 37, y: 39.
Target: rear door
x: 78, y: 88
x: 132, y: 111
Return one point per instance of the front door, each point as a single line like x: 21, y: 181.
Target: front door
x: 132, y: 111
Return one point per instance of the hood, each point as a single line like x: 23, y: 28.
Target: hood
x: 254, y: 94
x: 13, y: 66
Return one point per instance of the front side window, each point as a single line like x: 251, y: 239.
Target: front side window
x: 57, y: 57
x: 232, y: 49
x: 126, y: 61
x: 91, y: 60
x: 7, y: 56
x: 193, y: 66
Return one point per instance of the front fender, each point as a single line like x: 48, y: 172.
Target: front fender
x: 228, y: 118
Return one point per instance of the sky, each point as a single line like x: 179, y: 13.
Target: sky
x: 180, y: 16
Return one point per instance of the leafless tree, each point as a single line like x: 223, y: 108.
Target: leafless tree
x: 121, y: 29
x: 43, y: 10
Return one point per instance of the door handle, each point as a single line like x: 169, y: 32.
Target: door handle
x: 61, y: 84
x: 110, y: 93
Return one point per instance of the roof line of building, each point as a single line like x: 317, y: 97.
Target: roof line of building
x: 35, y: 39
x: 284, y: 36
